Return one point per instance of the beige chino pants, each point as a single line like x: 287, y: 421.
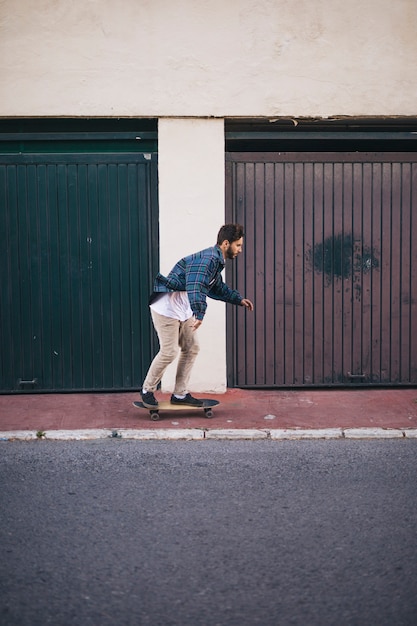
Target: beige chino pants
x: 173, y: 336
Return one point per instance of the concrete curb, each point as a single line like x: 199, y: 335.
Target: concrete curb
x: 316, y: 433
x: 236, y: 433
x: 198, y: 434
x: 371, y: 433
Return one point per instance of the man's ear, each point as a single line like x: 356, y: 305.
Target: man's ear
x: 224, y: 246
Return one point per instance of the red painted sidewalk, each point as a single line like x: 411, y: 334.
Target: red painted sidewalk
x: 353, y: 408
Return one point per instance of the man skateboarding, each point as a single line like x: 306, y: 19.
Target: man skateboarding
x: 178, y: 304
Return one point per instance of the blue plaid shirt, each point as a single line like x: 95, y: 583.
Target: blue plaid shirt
x: 199, y: 275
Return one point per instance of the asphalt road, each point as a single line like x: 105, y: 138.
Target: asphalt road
x: 208, y: 533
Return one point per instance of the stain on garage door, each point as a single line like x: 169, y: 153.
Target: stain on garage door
x: 331, y: 263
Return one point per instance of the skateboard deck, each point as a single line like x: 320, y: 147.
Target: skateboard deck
x: 167, y: 406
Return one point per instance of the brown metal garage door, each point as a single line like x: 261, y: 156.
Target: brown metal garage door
x: 330, y: 260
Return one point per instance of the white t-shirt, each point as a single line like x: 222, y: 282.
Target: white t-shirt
x: 174, y: 304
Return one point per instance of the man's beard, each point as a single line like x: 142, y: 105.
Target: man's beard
x: 230, y: 254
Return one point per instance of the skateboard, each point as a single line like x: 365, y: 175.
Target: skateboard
x: 167, y: 406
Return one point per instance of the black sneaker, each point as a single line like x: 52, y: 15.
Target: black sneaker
x: 149, y: 400
x: 188, y: 400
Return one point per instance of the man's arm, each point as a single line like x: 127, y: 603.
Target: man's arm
x: 199, y: 272
x: 220, y: 291
x: 203, y: 278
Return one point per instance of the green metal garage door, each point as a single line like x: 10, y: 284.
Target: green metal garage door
x: 80, y: 247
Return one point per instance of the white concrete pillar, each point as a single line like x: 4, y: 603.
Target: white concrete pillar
x: 191, y: 211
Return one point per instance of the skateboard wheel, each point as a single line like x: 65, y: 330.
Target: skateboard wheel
x: 154, y: 416
x: 208, y: 412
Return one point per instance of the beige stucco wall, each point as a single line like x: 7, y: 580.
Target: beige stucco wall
x: 199, y: 58
x: 191, y: 211
x: 183, y: 59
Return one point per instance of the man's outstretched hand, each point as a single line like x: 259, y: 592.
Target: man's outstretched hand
x: 247, y: 303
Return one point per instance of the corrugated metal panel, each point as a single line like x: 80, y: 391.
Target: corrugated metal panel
x: 80, y: 239
x: 330, y: 263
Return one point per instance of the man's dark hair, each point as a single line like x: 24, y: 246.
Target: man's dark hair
x: 230, y: 232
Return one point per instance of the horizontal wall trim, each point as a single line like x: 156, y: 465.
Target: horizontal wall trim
x: 77, y: 136
x: 45, y: 158
x: 311, y: 136
x: 317, y: 157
